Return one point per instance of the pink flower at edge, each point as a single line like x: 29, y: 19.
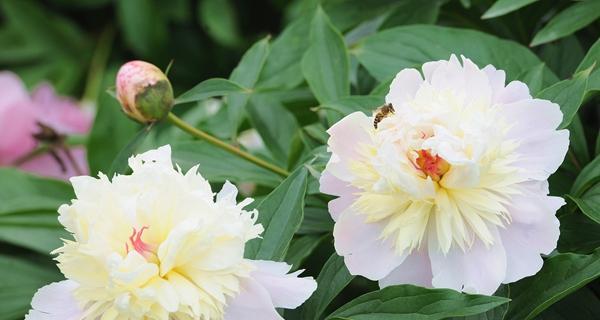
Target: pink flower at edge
x: 20, y: 117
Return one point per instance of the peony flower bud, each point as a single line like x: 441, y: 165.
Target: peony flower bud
x: 144, y: 91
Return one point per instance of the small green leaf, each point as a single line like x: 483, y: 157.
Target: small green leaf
x: 246, y: 74
x: 591, y: 57
x: 589, y: 176
x: 334, y: 277
x: 218, y: 18
x: 121, y: 164
x: 325, y: 64
x: 568, y: 21
x: 411, y: 302
x: 210, y: 88
x: 218, y: 165
x: 568, y: 94
x: 502, y: 7
x: 578, y: 144
x: 316, y: 220
x: 561, y: 274
x: 22, y: 279
x: 280, y: 213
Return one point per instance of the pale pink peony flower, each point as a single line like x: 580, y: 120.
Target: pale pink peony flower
x: 24, y: 119
x: 451, y: 190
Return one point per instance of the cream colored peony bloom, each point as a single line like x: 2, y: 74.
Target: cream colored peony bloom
x: 450, y: 190
x: 156, y: 244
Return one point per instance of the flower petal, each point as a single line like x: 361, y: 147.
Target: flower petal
x: 329, y: 184
x: 286, y: 290
x: 415, y: 269
x: 55, y: 302
x: 360, y: 245
x: 253, y: 302
x: 403, y: 87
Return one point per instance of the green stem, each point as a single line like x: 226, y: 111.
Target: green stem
x: 98, y: 65
x: 178, y: 122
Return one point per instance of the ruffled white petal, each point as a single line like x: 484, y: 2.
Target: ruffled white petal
x: 329, y: 184
x: 345, y: 137
x: 479, y: 270
x: 415, y: 269
x: 403, y: 87
x: 360, y: 244
x: 286, y: 290
x: 55, y: 302
x: 252, y: 302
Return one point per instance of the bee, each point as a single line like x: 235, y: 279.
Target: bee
x: 382, y: 112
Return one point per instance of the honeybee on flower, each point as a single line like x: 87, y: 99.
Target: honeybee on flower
x: 450, y: 189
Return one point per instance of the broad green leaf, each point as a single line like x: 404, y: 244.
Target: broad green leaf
x: 591, y: 57
x: 143, y: 25
x: 280, y: 214
x: 121, y: 164
x: 386, y: 53
x: 561, y: 274
x: 210, y: 88
x: 578, y: 143
x: 334, y: 277
x: 275, y: 124
x: 20, y: 280
x: 578, y: 233
x: 563, y: 56
x: 316, y: 220
x: 413, y: 12
x: 38, y: 231
x: 534, y: 78
x: 411, y: 302
x: 218, y: 165
x: 325, y: 64
x: 301, y: 248
x: 583, y: 304
x: 23, y: 192
x: 112, y: 130
x: 347, y: 14
x: 568, y: 94
x: 218, y: 17
x: 246, y: 74
x: 347, y: 105
x: 589, y: 202
x: 498, y: 313
x: 502, y: 7
x: 589, y: 176
x: 282, y: 68
x: 568, y: 21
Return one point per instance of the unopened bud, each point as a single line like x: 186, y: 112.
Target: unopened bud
x: 144, y: 91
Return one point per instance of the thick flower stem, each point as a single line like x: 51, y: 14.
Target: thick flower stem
x: 175, y: 120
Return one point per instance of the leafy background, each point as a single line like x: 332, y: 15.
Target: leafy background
x: 287, y: 70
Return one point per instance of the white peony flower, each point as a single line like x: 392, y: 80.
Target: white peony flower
x: 156, y: 244
x: 450, y: 190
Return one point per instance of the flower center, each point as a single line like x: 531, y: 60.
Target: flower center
x: 143, y: 248
x: 430, y: 165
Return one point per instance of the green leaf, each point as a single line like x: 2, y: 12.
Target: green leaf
x: 21, y: 280
x: 561, y: 275
x: 218, y: 18
x: 589, y: 176
x: 562, y: 56
x: 589, y: 202
x: 280, y: 213
x: 578, y: 233
x: 23, y: 192
x: 411, y: 302
x: 534, y: 78
x: 121, y: 162
x: 275, y: 124
x: 386, y: 53
x: 218, y: 165
x: 282, y: 68
x: 583, y: 303
x: 325, y: 64
x: 38, y: 231
x: 210, y: 88
x: 301, y: 248
x: 591, y: 57
x: 502, y: 7
x: 316, y: 220
x: 578, y: 144
x: 413, y: 12
x: 334, y: 277
x: 143, y: 25
x: 246, y: 74
x: 568, y: 21
x: 568, y: 94
x: 498, y: 313
x: 112, y: 130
